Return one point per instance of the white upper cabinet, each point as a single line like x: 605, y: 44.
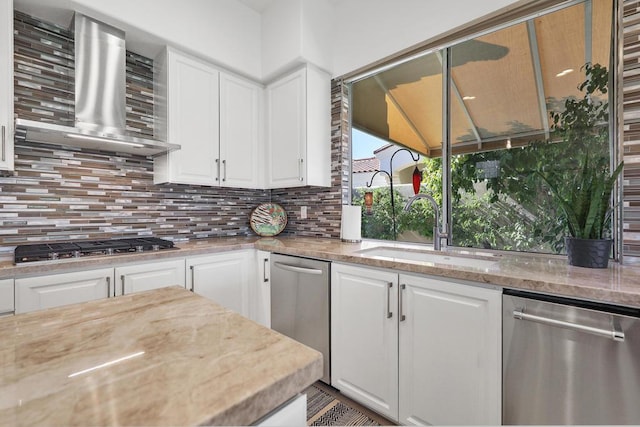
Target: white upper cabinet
x: 216, y: 118
x: 299, y: 129
x: 6, y: 85
x: 188, y: 99
x: 241, y: 132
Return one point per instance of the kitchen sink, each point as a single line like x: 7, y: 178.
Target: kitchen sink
x: 414, y: 255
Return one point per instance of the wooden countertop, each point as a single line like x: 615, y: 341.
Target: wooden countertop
x: 162, y: 357
x: 549, y: 274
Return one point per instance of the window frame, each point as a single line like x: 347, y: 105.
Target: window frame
x: 520, y: 13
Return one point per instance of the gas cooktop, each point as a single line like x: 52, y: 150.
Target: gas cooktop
x: 53, y: 251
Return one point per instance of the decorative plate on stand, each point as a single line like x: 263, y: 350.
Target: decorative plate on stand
x: 268, y: 219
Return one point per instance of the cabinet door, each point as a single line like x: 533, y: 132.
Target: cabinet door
x: 286, y: 131
x: 147, y: 276
x: 223, y: 278
x: 6, y: 296
x: 6, y: 85
x: 364, y: 336
x: 54, y: 290
x: 192, y: 118
x: 240, y: 132
x: 261, y: 292
x: 449, y: 353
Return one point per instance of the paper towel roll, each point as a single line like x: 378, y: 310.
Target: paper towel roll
x: 350, y: 225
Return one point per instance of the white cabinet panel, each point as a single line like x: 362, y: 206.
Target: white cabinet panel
x: 6, y: 296
x: 426, y: 352
x: 364, y: 336
x: 287, y: 130
x: 191, y: 114
x: 223, y: 278
x: 292, y: 413
x: 147, y: 276
x: 450, y: 358
x: 241, y: 130
x: 299, y: 129
x: 54, y: 290
x: 261, y: 292
x: 6, y: 85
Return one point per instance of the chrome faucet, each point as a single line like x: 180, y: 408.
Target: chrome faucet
x: 437, y: 233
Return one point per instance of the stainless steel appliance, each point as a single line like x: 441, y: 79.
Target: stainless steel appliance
x: 77, y: 249
x: 300, y: 303
x: 569, y: 362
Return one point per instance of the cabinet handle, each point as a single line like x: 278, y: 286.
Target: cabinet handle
x: 300, y: 175
x: 122, y: 280
x: 4, y: 139
x: 218, y: 169
x: 192, y: 277
x: 224, y: 168
x: 402, y: 288
x: 389, y: 287
x: 264, y: 270
x: 109, y: 287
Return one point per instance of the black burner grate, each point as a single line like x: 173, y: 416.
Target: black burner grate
x: 53, y: 251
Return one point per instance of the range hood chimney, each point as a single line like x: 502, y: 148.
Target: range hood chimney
x: 100, y: 97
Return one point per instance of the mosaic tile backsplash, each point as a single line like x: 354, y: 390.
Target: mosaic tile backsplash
x: 58, y: 194
x: 631, y: 132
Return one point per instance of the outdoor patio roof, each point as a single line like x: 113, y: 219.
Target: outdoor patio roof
x: 503, y: 84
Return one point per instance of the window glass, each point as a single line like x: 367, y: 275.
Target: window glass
x: 397, y: 122
x: 499, y: 197
x: 507, y: 90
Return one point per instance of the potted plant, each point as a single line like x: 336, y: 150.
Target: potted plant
x: 584, y: 193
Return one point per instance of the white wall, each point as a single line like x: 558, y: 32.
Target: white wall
x: 339, y: 36
x: 223, y: 31
x: 295, y: 32
x: 366, y: 31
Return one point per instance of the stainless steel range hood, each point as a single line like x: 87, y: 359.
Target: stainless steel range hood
x: 100, y: 97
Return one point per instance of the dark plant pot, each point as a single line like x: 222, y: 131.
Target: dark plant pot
x: 590, y: 253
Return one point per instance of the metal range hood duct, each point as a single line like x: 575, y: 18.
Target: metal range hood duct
x: 100, y: 97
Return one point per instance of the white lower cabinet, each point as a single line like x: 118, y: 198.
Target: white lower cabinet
x: 54, y: 290
x: 419, y: 350
x: 292, y: 413
x: 6, y: 297
x: 450, y: 353
x: 261, y: 291
x: 224, y: 278
x: 151, y: 275
x: 364, y: 336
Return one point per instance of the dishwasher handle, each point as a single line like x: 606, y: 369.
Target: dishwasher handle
x: 615, y: 333
x: 296, y: 269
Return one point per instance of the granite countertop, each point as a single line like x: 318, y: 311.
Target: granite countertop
x: 618, y: 284
x: 176, y: 359
x: 549, y: 274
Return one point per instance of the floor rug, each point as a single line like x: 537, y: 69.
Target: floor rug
x: 323, y: 409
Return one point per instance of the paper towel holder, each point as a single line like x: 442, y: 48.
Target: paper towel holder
x: 350, y: 224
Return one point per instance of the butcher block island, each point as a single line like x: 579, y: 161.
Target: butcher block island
x: 162, y: 357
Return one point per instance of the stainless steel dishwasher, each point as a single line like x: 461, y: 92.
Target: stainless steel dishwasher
x: 569, y: 362
x: 300, y: 303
